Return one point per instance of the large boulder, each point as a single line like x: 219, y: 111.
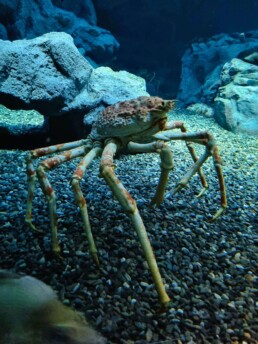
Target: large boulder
x: 202, y: 64
x: 28, y: 19
x: 48, y: 74
x: 236, y: 104
x: 44, y: 73
x: 106, y: 87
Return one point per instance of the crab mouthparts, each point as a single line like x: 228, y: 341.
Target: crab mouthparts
x: 161, y: 122
x: 160, y: 118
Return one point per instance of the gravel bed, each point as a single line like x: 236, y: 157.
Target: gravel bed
x: 210, y: 270
x: 20, y: 121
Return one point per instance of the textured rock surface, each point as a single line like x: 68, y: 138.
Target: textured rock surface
x: 81, y: 8
x: 153, y: 35
x: 20, y: 122
x: 28, y: 19
x: 203, y: 62
x: 23, y: 129
x: 114, y: 85
x: 48, y: 74
x: 44, y: 73
x: 110, y: 87
x: 201, y: 109
x: 236, y: 104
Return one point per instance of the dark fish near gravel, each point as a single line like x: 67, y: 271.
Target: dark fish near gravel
x: 30, y: 313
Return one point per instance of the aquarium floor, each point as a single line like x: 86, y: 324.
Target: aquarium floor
x: 210, y: 269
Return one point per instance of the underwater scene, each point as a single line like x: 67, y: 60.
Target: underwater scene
x: 128, y: 172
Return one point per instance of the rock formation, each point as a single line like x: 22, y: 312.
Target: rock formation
x: 202, y: 64
x: 212, y: 74
x: 236, y: 103
x: 29, y: 19
x: 48, y: 74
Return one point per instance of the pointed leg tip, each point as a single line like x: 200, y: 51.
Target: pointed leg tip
x: 57, y: 255
x: 165, y: 305
x: 155, y: 202
x: 152, y: 203
x: 217, y: 215
x: 202, y: 192
x: 32, y: 226
x: 177, y: 189
x: 96, y: 259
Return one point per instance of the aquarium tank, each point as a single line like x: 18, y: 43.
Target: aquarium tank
x: 128, y: 172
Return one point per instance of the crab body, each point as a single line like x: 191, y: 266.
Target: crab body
x: 136, y: 120
x: 136, y: 126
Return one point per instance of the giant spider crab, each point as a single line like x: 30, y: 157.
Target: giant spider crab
x: 136, y: 126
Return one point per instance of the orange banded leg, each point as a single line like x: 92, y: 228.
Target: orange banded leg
x: 166, y: 164
x: 80, y: 199
x: 31, y: 179
x: 208, y: 141
x: 31, y: 173
x: 180, y: 125
x: 130, y: 208
x: 218, y: 167
x: 48, y: 190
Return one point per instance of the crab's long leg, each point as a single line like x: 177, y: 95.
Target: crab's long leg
x: 76, y: 178
x: 180, y: 125
x: 166, y: 165
x: 44, y: 166
x: 31, y: 173
x: 208, y: 141
x: 130, y: 208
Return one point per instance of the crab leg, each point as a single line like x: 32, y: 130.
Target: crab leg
x: 47, y: 188
x: 75, y: 182
x: 208, y: 141
x: 180, y: 125
x: 166, y: 165
x: 130, y: 208
x: 31, y: 173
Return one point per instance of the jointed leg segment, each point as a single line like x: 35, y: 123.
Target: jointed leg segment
x: 44, y: 182
x: 180, y: 125
x: 130, y: 207
x: 166, y: 164
x: 31, y: 172
x: 80, y: 199
x: 206, y: 139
